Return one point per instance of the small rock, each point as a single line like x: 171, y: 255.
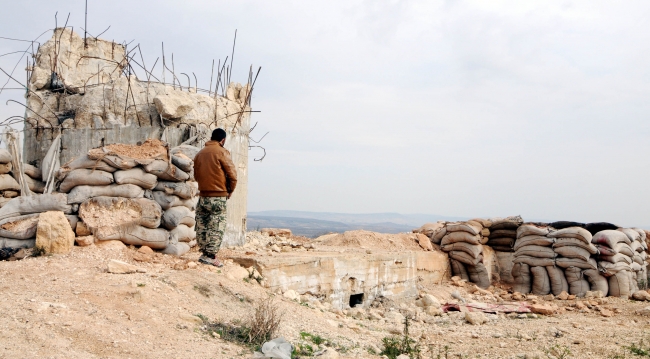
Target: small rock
x: 237, y: 272
x: 110, y: 245
x: 85, y: 241
x: 606, y: 313
x: 395, y: 330
x: 327, y: 353
x: 433, y: 311
x: 190, y: 318
x: 571, y: 297
x: 563, y: 295
x: 475, y: 318
x: 402, y: 356
x: 276, y: 249
x: 191, y: 265
x: 516, y: 296
x: 548, y: 297
x: 424, y: 242
x: 145, y: 250
x: 82, y: 230
x: 119, y: 267
x: 641, y: 295
x: 291, y: 295
x: 542, y: 309
x: 475, y: 335
x: 594, y: 294
x: 394, y: 317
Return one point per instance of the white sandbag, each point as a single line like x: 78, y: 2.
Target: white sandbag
x: 531, y: 230
x: 596, y: 281
x: 609, y: 238
x: 616, y: 258
x: 175, y: 216
x: 635, y: 267
x: 638, y: 259
x: 182, y: 233
x: 183, y: 162
x: 469, y: 227
x: 535, y: 251
x: 84, y: 162
x: 85, y: 177
x: 631, y: 234
x: 21, y: 227
x: 465, y: 258
x: 573, y: 252
x: 124, y: 212
x: 166, y: 171
x: 608, y: 269
x: 575, y: 242
x: 33, y: 172
x: 478, y: 275
x: 454, y: 237
x: 572, y: 232
x: 605, y: 250
x: 177, y: 249
x: 5, y: 168
x: 624, y: 249
x: 5, y: 156
x: 137, y: 235
x: 81, y: 194
x: 557, y: 279
x: 577, y: 284
x: 619, y: 285
x: 574, y: 262
x: 521, y: 275
x: 541, y: 281
x: 136, y: 176
x: 534, y: 240
x: 636, y: 246
x: 187, y: 150
x: 534, y: 261
x: 458, y: 269
x: 187, y: 190
x: 17, y: 243
x: 8, y: 183
x: 167, y: 201
x: 633, y: 285
x: 35, y: 204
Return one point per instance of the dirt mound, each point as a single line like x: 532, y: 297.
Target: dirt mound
x: 150, y: 149
x: 372, y: 240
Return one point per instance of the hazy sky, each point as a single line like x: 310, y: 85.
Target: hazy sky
x: 459, y: 108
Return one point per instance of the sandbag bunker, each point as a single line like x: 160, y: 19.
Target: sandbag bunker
x: 547, y: 258
x: 138, y: 194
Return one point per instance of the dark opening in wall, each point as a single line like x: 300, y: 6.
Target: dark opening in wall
x: 356, y: 299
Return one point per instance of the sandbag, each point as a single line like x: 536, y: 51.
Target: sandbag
x: 471, y: 249
x: 85, y: 177
x: 596, y: 281
x: 17, y: 243
x: 8, y: 183
x: 21, y: 227
x: 616, y: 258
x: 636, y: 246
x: 81, y: 194
x: 84, y: 162
x: 574, y: 262
x: 136, y: 176
x: 557, y: 279
x: 625, y: 249
x: 502, y: 248
x: 610, y: 238
x: 464, y: 257
x: 5, y: 156
x: 438, y: 235
x: 478, y: 275
x: 631, y: 234
x: 5, y: 168
x: 521, y: 274
x: 635, y: 267
x: 577, y: 284
x: 535, y: 251
x: 182, y: 233
x: 32, y: 171
x: 511, y: 233
x: 506, y: 242
x: 633, y: 285
x: 531, y: 230
x: 572, y: 232
x: 506, y: 223
x: 574, y: 242
x: 573, y: 252
x: 534, y: 261
x: 534, y: 240
x: 177, y: 249
x: 167, y: 201
x: 608, y: 269
x: 183, y: 162
x: 118, y: 161
x: 166, y: 171
x: 136, y: 235
x: 565, y: 224
x: 73, y: 220
x: 471, y: 228
x: 454, y: 237
x: 145, y: 212
x: 35, y: 186
x: 605, y: 250
x: 428, y: 229
x: 175, y: 216
x: 594, y: 228
x: 187, y: 190
x: 619, y: 285
x: 187, y: 150
x: 35, y: 204
x: 638, y: 259
x: 458, y: 269
x: 541, y: 282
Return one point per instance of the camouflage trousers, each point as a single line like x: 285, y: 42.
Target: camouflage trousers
x: 210, y: 224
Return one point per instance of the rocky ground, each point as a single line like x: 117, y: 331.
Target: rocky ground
x: 70, y: 306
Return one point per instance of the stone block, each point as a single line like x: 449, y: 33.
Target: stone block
x: 53, y: 233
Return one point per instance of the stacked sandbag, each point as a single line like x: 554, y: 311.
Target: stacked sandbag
x: 534, y: 258
x: 502, y: 233
x: 463, y: 241
x: 9, y: 178
x: 615, y: 260
x: 435, y: 231
x: 574, y: 254
x: 638, y: 267
x: 121, y: 182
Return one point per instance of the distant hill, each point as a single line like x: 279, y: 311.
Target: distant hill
x: 314, y: 224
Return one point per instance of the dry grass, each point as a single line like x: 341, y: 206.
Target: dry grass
x: 265, y: 322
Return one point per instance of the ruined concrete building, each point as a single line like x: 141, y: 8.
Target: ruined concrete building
x: 87, y: 92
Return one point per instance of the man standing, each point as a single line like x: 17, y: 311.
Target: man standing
x: 217, y: 178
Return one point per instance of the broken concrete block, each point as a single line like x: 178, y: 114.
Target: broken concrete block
x: 175, y: 104
x: 54, y: 233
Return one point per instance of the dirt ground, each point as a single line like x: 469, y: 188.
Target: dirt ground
x: 69, y: 306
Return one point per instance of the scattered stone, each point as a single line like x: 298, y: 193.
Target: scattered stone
x: 276, y: 249
x: 53, y: 233
x: 475, y: 335
x: 190, y: 318
x: 85, y: 241
x: 82, y: 230
x: 276, y: 232
x: 606, y: 313
x: 424, y: 242
x: 548, y: 297
x: 433, y: 311
x: 328, y: 353
x: 290, y: 294
x: 192, y: 265
x: 571, y: 297
x: 111, y: 245
x: 119, y: 267
x: 645, y: 311
x: 237, y: 272
x: 563, y: 295
x: 516, y: 296
x: 394, y: 317
x: 475, y: 318
x: 641, y: 295
x: 145, y: 250
x: 542, y: 309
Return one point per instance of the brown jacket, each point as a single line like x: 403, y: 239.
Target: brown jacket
x: 214, y: 171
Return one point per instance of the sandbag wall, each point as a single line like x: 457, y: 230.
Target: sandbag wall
x: 9, y: 186
x: 140, y: 195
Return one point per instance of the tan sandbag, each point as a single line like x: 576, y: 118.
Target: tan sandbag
x: 118, y: 162
x: 437, y: 236
x: 478, y: 275
x: 35, y: 186
x: 575, y: 242
x: 535, y: 251
x: 572, y: 232
x: 85, y: 177
x: 529, y: 229
x: 458, y: 269
x: 577, y: 284
x: 502, y: 248
x: 633, y: 285
x: 33, y: 171
x: 123, y: 212
x: 5, y: 168
x: 500, y: 233
x: 187, y: 190
x: 5, y: 156
x: 471, y: 249
x: 606, y: 251
x: 81, y: 194
x: 166, y: 171
x: 635, y: 267
x: 501, y: 242
x: 183, y: 162
x: 8, y: 183
x: 167, y: 201
x: 573, y: 252
x: 631, y: 234
x: 84, y: 162
x: 616, y: 258
x: 534, y: 241
x: 485, y: 223
x: 36, y: 203
x: 21, y: 227
x: 177, y: 249
x: 636, y: 246
x: 454, y: 237
x: 625, y: 249
x: 557, y: 279
x: 465, y: 258
x: 136, y: 176
x: 534, y: 261
x: 609, y: 238
x: 619, y: 284
x: 608, y: 269
x: 469, y: 227
x: 506, y: 223
x: 176, y: 216
x: 638, y: 259
x: 574, y: 262
x: 521, y: 274
x: 182, y: 233
x: 17, y: 243
x: 596, y: 281
x: 137, y: 235
x: 541, y: 281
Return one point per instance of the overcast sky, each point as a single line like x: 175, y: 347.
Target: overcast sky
x: 458, y: 108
